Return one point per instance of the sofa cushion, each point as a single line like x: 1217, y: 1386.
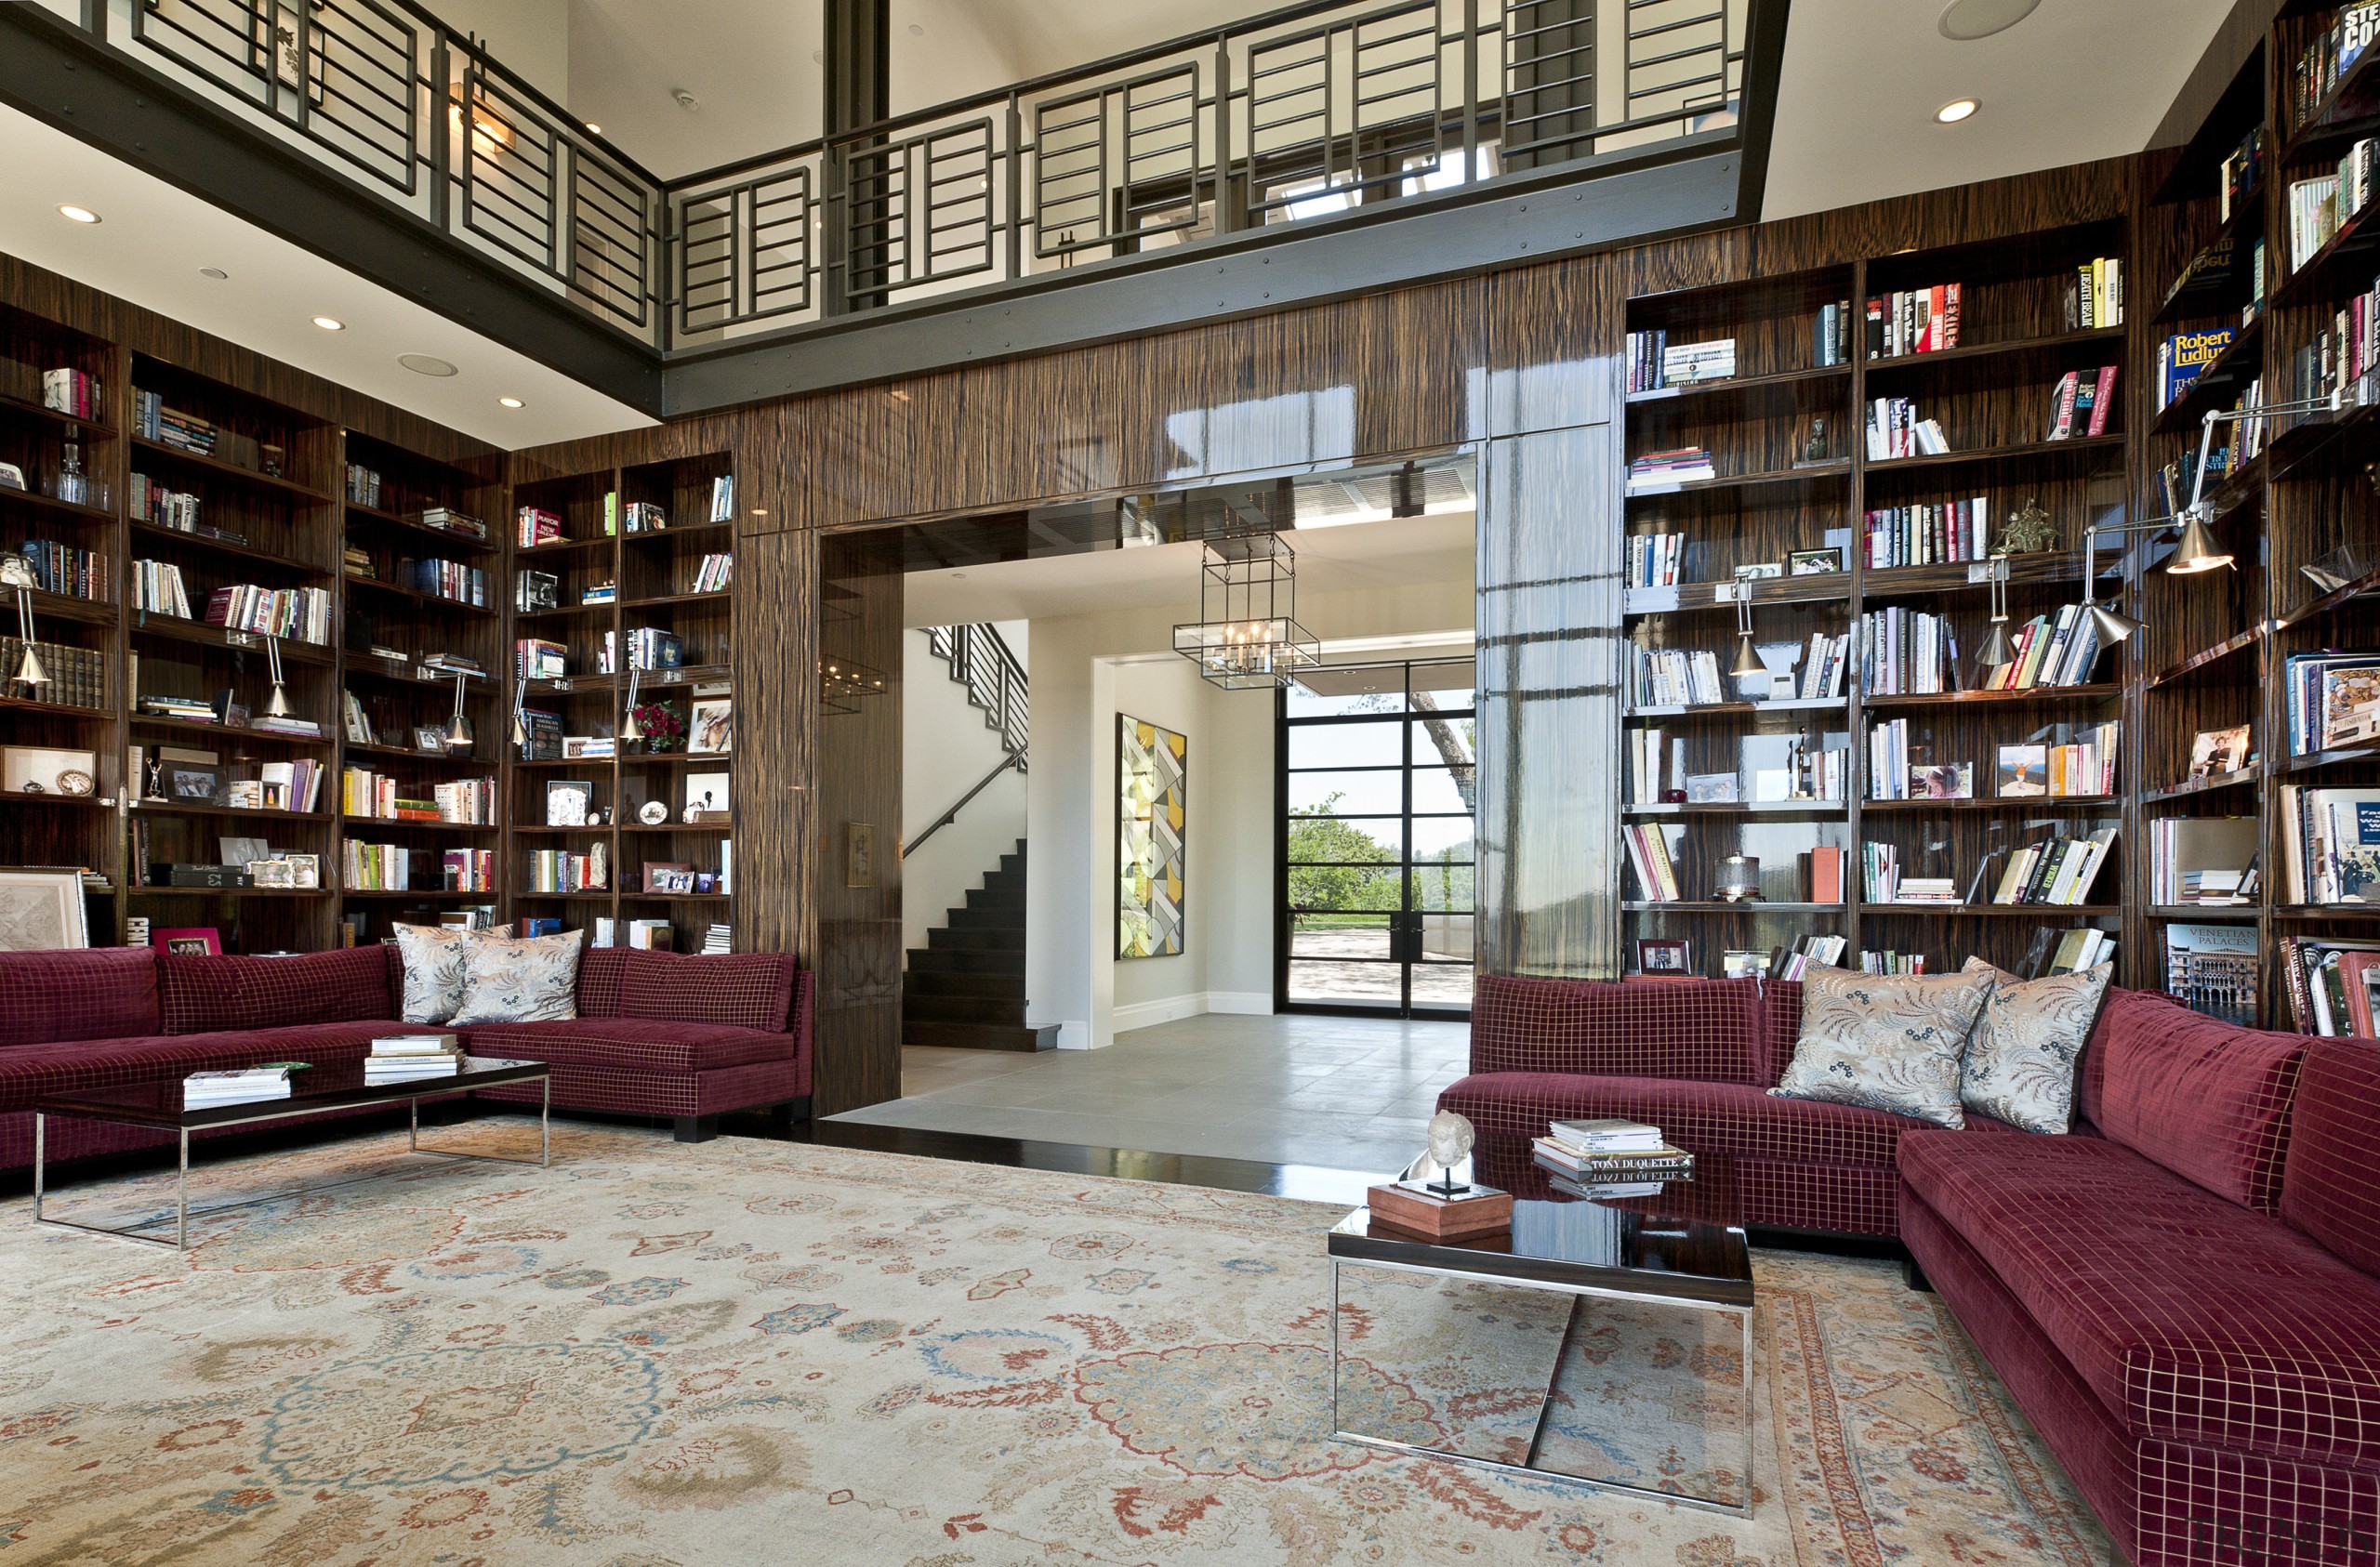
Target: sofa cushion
x: 736, y: 990
x: 1885, y: 1042
x: 1700, y: 1029
x: 599, y: 970
x: 430, y: 958
x: 1701, y: 1117
x: 2206, y: 1099
x: 2191, y: 1318
x: 518, y: 978
x: 34, y: 1070
x: 199, y: 994
x: 93, y: 993
x: 2028, y: 1045
x: 2332, y: 1190
x: 640, y: 1044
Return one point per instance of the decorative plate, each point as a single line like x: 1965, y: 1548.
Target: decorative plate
x: 653, y: 813
x: 74, y: 781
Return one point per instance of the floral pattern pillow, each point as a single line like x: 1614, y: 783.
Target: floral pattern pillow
x: 433, y: 959
x: 1884, y: 1042
x: 518, y: 978
x: 2021, y: 1063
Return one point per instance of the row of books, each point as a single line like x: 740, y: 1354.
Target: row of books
x: 2202, y: 859
x: 1913, y: 321
x: 299, y: 614
x: 454, y: 580
x: 1906, y: 653
x: 645, y: 517
x: 292, y: 785
x: 468, y: 870
x: 2332, y: 699
x: 1804, y: 953
x: 1654, y: 559
x: 2082, y: 766
x: 713, y: 574
x: 2242, y: 171
x: 450, y: 520
x: 2327, y: 56
x: 2332, y: 985
x: 1831, y: 335
x: 536, y: 526
x: 2057, y: 870
x: 539, y: 658
x: 2330, y: 845
x: 1929, y: 534
x: 2096, y: 298
x: 1672, y: 678
x: 2056, y: 952
x: 73, y: 392
x: 568, y: 870
x: 1651, y: 360
x: 1648, y: 856
x: 2339, y: 356
x: 2060, y: 650
x: 157, y: 587
x: 391, y: 867
x: 2081, y: 402
x: 153, y: 501
x: 1881, y: 881
x: 363, y: 792
x: 1682, y: 465
x: 151, y: 420
x: 651, y: 648
x: 1826, y: 665
x: 65, y: 570
x: 1895, y: 430
x: 362, y: 485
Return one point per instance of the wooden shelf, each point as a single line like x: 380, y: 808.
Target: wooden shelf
x: 2019, y: 804
x: 180, y: 538
x: 541, y: 830
x: 1712, y: 906
x: 2240, y: 778
x: 2029, y: 697
x: 251, y: 478
x: 1814, y: 588
x: 565, y: 546
x: 2206, y: 658
x: 2326, y: 911
x: 193, y: 729
x: 677, y: 897
x: 1740, y: 386
x: 56, y: 709
x: 2055, y: 344
x: 90, y: 516
x: 2081, y: 446
x: 2202, y: 911
x: 601, y: 896
x: 295, y: 894
x: 1740, y: 709
x: 378, y: 822
x: 65, y: 606
x: 64, y: 802
x: 2226, y: 294
x: 484, y: 897
x: 560, y: 611
x: 178, y: 808
x: 2344, y: 112
x: 1997, y: 911
x: 427, y: 600
x: 2352, y: 245
x: 150, y: 623
x: 356, y: 510
x: 2320, y: 759
x: 660, y: 600
x: 1817, y: 473
x: 666, y: 828
x: 679, y: 759
x: 1741, y: 808
x: 709, y: 529
x: 414, y: 754
x: 84, y: 430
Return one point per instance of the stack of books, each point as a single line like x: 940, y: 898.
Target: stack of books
x: 72, y: 391
x: 454, y: 522
x: 1688, y: 363
x: 170, y: 426
x: 539, y: 526
x: 2079, y: 404
x: 1657, y: 470
x: 201, y: 1089
x: 1673, y: 677
x: 719, y: 938
x: 1895, y: 430
x: 1610, y: 1158
x: 722, y: 498
x: 406, y: 1058
x: 189, y: 709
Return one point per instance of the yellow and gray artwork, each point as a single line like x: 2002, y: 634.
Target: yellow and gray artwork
x: 1152, y: 786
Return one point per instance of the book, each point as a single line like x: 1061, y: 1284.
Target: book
x: 1607, y: 1135
x: 2215, y: 970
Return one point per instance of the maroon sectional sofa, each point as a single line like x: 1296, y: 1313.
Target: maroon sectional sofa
x: 690, y: 1037
x: 2183, y: 1294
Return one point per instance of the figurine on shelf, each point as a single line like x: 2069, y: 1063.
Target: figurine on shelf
x: 2029, y: 531
x: 156, y: 779
x: 1813, y: 450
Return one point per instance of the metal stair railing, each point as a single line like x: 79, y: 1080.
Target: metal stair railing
x: 980, y: 660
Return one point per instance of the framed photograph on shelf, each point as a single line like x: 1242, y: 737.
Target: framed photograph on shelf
x: 706, y: 797
x: 1813, y: 563
x: 201, y: 941
x: 429, y: 737
x: 712, y: 728
x: 278, y: 874
x: 1713, y: 788
x: 570, y: 802
x: 1664, y: 959
x: 2022, y: 772
x: 2218, y: 750
x: 668, y: 876
x: 191, y: 784
x: 1941, y: 781
x: 305, y: 870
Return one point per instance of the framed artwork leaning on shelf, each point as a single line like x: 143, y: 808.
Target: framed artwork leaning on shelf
x: 713, y: 725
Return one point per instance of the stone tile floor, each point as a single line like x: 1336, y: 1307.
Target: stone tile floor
x: 1342, y: 1093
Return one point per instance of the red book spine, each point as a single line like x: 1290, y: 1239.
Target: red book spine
x: 2106, y: 395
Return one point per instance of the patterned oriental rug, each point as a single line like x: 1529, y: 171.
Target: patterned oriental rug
x: 744, y: 1352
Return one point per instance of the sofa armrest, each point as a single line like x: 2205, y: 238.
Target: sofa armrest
x: 1702, y: 1030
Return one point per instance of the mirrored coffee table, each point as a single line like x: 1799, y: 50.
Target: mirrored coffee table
x: 330, y: 1085
x: 1603, y: 1341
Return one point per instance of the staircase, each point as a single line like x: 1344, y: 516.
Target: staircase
x: 965, y: 988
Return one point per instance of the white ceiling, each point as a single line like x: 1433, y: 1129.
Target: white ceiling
x: 1400, y: 553
x: 2075, y: 81
x: 153, y: 239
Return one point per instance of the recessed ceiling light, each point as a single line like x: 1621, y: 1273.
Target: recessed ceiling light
x: 686, y: 99
x: 917, y: 29
x: 79, y: 214
x: 1965, y: 20
x: 959, y: 576
x: 1956, y: 109
x: 217, y: 274
x: 510, y: 402
x: 426, y: 364
x: 330, y: 323
x: 594, y: 129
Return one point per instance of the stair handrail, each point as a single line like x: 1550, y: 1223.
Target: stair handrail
x: 947, y: 817
x: 981, y: 659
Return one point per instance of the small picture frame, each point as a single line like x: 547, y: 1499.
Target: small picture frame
x: 706, y: 882
x: 859, y: 854
x: 570, y: 802
x: 575, y: 747
x: 2022, y: 772
x: 710, y: 729
x: 1713, y: 788
x: 201, y: 941
x: 192, y: 784
x: 278, y: 874
x: 1666, y: 958
x: 661, y: 877
x: 1759, y: 570
x: 2218, y: 751
x: 305, y: 870
x: 1813, y: 563
x: 1941, y: 781
x: 428, y: 737
x: 12, y: 477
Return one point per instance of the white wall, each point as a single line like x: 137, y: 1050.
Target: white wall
x: 1085, y: 669
x: 946, y: 747
x: 531, y: 38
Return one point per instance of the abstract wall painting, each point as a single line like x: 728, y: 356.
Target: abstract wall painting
x: 1152, y: 777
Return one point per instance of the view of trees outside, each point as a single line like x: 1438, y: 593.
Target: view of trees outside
x: 1356, y: 875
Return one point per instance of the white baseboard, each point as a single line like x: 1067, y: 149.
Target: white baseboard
x: 1074, y: 1036
x: 1172, y: 1009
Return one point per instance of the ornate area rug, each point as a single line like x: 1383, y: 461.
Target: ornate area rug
x: 745, y: 1352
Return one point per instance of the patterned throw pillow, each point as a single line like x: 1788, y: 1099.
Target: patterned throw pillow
x: 518, y: 978
x: 2021, y: 1063
x: 433, y: 960
x: 1884, y: 1042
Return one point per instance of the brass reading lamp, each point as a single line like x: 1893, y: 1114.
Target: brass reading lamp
x: 460, y: 737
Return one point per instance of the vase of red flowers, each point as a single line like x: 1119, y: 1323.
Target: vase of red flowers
x: 659, y: 725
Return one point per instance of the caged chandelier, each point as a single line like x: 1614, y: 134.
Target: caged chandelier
x: 1247, y: 637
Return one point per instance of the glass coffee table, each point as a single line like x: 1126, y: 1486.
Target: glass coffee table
x: 1605, y: 1341
x: 331, y: 1086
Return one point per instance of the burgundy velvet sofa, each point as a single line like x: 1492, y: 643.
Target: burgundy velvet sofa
x: 2183, y: 1294
x: 690, y: 1037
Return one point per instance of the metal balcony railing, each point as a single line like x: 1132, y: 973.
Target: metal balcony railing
x: 1289, y: 117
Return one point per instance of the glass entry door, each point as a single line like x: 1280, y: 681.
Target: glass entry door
x: 1379, y: 766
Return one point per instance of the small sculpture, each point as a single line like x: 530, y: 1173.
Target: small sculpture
x: 1814, y: 449
x: 2027, y: 531
x: 1445, y: 1170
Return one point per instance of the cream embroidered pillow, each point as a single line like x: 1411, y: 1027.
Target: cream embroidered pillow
x: 518, y: 978
x: 2021, y: 1063
x: 1884, y: 1042
x: 433, y: 960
